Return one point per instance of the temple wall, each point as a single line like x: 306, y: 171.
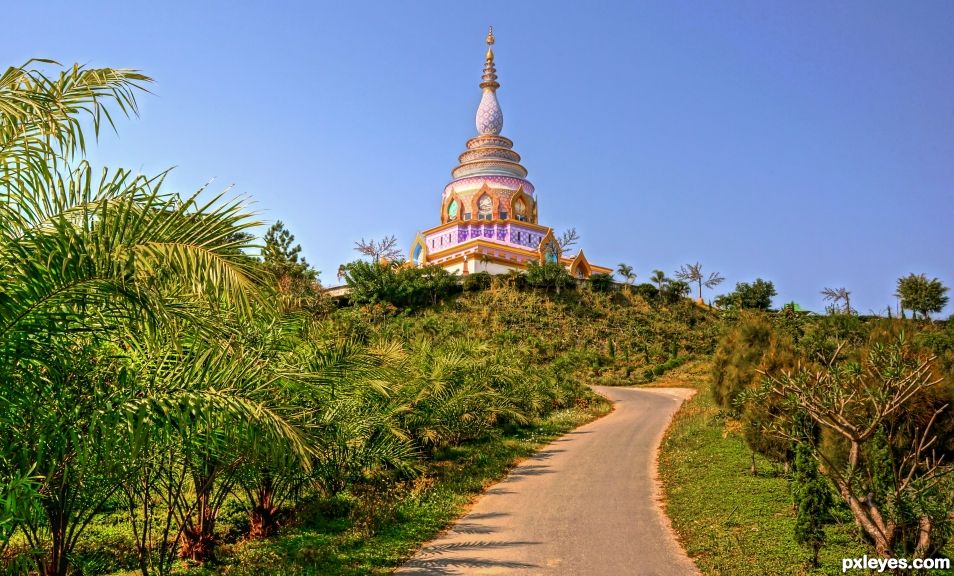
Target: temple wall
x: 508, y: 233
x: 457, y: 268
x: 493, y: 267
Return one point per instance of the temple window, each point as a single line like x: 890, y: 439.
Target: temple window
x: 418, y: 251
x: 466, y: 215
x: 485, y: 206
x: 452, y: 210
x: 520, y: 210
x: 503, y: 215
x: 552, y: 252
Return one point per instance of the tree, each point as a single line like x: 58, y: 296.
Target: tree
x: 567, y: 239
x: 887, y: 473
x: 42, y: 114
x: 658, y: 278
x: 477, y: 281
x: 693, y: 273
x: 812, y: 501
x: 921, y: 295
x: 49, y: 283
x: 835, y: 295
x: 281, y: 258
x: 737, y: 358
x: 94, y: 264
x: 601, y: 282
x: 372, y: 282
x: 295, y: 279
x: 757, y: 295
x: 647, y: 291
x: 626, y: 271
x: 384, y: 249
x: 548, y: 275
x: 426, y: 284
x: 674, y: 290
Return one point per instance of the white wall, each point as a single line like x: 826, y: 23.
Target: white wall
x: 492, y: 267
x: 457, y: 268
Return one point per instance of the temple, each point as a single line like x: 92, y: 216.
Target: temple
x: 489, y: 219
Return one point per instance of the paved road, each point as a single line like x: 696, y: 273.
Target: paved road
x: 586, y: 504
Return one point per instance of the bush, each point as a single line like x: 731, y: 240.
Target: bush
x: 757, y: 295
x: 396, y: 284
x: 737, y: 357
x: 651, y: 373
x: 601, y: 282
x: 477, y: 281
x: 647, y: 291
x: 548, y: 275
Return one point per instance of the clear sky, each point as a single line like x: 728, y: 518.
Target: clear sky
x: 808, y: 143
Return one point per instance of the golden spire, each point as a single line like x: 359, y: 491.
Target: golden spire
x: 490, y: 72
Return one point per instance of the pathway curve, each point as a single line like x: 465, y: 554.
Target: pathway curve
x: 585, y: 505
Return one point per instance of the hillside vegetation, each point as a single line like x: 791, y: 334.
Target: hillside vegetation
x: 178, y: 399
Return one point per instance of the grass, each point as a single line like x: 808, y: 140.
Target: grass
x: 728, y: 520
x: 399, y: 522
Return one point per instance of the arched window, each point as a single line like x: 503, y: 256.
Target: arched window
x: 552, y: 252
x: 418, y: 251
x: 485, y: 207
x: 452, y: 210
x: 520, y: 210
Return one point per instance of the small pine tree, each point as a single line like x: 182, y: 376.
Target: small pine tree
x: 282, y: 258
x: 295, y: 279
x: 812, y: 499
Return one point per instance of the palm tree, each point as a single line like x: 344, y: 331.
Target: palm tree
x: 626, y: 271
x: 658, y: 278
x: 693, y: 273
x: 91, y: 265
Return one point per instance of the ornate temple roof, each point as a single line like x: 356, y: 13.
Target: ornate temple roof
x: 489, y: 154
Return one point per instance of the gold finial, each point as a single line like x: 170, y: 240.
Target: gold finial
x: 490, y: 73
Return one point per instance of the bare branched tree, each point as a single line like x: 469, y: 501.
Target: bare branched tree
x: 568, y: 238
x: 836, y: 295
x: 693, y: 273
x: 386, y: 248
x: 856, y: 405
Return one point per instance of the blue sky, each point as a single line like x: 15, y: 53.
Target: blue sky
x: 808, y: 143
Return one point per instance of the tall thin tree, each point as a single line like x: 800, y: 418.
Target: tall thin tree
x: 692, y: 273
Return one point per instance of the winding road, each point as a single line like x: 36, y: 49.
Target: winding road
x: 585, y: 505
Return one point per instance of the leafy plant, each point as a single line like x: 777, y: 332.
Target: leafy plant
x: 921, y: 295
x: 757, y: 295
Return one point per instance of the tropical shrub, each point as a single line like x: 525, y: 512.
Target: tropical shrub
x: 757, y: 295
x: 548, y: 276
x: 601, y: 282
x: 477, y: 281
x: 647, y: 291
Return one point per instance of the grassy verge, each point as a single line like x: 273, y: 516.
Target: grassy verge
x: 729, y: 521
x: 397, y: 524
